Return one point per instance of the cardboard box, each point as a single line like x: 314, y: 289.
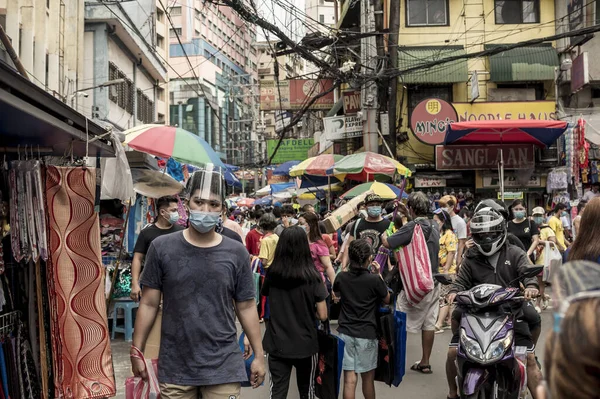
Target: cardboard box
x: 344, y: 213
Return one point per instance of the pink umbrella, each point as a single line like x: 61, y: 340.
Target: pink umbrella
x: 248, y: 202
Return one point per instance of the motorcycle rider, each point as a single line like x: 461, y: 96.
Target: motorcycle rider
x: 494, y: 261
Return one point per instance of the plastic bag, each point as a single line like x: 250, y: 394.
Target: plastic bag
x: 552, y: 261
x: 116, y: 175
x: 415, y: 268
x: 136, y: 388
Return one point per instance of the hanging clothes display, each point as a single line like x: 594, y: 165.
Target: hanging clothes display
x: 80, y: 332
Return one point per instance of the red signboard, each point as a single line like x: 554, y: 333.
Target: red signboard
x: 351, y: 102
x: 429, y: 119
x: 471, y: 157
x: 580, y: 74
x: 293, y: 94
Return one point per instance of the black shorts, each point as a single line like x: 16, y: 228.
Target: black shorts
x: 521, y: 329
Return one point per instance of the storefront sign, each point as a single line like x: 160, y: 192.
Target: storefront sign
x: 473, y: 157
x: 511, y: 196
x: 295, y: 93
x: 289, y: 150
x: 351, y: 102
x: 425, y: 182
x: 430, y: 117
x: 580, y: 73
x: 342, y: 127
x: 273, y: 179
x: 512, y: 182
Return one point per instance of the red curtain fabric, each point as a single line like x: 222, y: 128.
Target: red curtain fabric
x: 81, y: 344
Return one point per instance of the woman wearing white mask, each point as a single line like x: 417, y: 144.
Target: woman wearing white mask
x: 527, y: 231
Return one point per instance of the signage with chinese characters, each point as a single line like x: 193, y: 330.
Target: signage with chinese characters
x: 425, y: 182
x: 342, y: 127
x: 473, y: 157
x: 295, y: 93
x: 430, y: 117
x: 351, y: 101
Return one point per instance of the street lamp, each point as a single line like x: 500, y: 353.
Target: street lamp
x: 81, y: 92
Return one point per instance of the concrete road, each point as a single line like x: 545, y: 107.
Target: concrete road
x: 414, y: 385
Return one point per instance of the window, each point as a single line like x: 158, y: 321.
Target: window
x: 174, y: 32
x: 416, y: 94
x: 426, y: 12
x: 321, y: 2
x: 160, y: 41
x: 122, y: 93
x: 160, y: 15
x: 175, y: 11
x: 517, y: 11
x: 198, y: 15
x: 321, y: 18
x: 160, y: 93
x: 196, y: 32
x: 145, y: 107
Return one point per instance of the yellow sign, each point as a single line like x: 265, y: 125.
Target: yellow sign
x: 486, y: 111
x: 433, y: 107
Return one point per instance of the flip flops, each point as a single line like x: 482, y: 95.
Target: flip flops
x: 422, y: 368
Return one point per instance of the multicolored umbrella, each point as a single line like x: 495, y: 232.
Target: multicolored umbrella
x: 365, y: 166
x: 384, y: 190
x: 246, y: 202
x: 172, y: 142
x: 316, y: 166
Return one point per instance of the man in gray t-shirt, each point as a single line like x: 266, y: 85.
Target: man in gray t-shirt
x: 205, y: 279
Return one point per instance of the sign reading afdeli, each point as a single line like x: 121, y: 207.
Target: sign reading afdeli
x: 289, y: 150
x: 429, y: 118
x: 465, y: 157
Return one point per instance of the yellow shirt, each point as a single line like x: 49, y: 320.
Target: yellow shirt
x: 556, y: 225
x: 267, y: 248
x: 545, y: 234
x: 448, y: 243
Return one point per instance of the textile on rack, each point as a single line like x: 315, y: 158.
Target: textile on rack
x: 86, y: 366
x: 29, y: 382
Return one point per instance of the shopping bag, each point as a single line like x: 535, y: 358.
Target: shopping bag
x: 415, y: 267
x: 400, y: 358
x: 329, y: 366
x: 136, y: 388
x: 382, y: 257
x: 552, y: 261
x: 247, y: 362
x: 386, y: 336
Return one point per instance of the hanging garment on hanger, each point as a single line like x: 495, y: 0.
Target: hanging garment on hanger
x: 4, y: 371
x: 15, y: 231
x: 76, y: 267
x: 39, y: 208
x: 29, y: 382
x: 32, y: 315
x: 15, y: 371
x: 29, y: 211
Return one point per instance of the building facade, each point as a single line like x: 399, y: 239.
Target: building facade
x: 47, y: 36
x: 126, y: 75
x: 215, y: 82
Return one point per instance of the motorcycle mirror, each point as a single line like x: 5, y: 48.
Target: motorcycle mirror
x: 444, y: 279
x: 531, y: 271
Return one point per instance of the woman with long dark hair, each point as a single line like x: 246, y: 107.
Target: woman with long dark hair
x: 309, y: 221
x: 297, y: 296
x: 527, y: 232
x: 587, y: 244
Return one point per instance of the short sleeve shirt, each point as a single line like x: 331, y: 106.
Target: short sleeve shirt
x: 459, y: 226
x: 361, y: 294
x: 149, y: 234
x: 318, y: 249
x: 267, y: 248
x: 198, y: 343
x: 524, y: 231
x: 371, y: 232
x: 448, y: 243
x: 556, y: 225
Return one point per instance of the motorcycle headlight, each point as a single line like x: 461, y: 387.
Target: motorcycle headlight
x: 498, y: 348
x: 471, y: 347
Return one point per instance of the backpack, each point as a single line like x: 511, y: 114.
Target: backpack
x: 414, y: 266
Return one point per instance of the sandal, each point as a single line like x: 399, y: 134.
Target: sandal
x: 422, y: 368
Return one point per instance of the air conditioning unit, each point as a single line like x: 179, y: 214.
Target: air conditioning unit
x: 549, y: 155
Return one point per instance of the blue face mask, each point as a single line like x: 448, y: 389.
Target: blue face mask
x: 203, y: 222
x: 520, y: 214
x: 374, y: 211
x: 564, y: 213
x: 173, y: 217
x: 538, y: 220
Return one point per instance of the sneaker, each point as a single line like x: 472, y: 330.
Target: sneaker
x: 537, y: 309
x: 438, y: 330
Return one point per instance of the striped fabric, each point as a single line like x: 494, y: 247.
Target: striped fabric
x: 81, y: 345
x: 415, y: 267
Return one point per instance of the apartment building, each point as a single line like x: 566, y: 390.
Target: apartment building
x: 215, y: 78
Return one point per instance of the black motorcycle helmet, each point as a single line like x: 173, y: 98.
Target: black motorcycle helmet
x: 488, y: 229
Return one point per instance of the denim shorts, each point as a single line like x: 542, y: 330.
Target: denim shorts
x: 360, y: 354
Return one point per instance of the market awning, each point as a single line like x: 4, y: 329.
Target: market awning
x: 451, y: 72
x: 32, y: 117
x: 541, y: 133
x: 533, y: 63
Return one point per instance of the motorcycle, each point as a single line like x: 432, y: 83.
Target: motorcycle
x: 489, y: 364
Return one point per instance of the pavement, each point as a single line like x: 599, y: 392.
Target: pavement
x: 414, y: 385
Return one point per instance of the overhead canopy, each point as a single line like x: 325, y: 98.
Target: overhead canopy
x: 537, y: 132
x: 451, y: 72
x: 533, y: 63
x: 33, y: 117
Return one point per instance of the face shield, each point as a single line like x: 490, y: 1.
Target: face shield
x: 574, y: 281
x: 206, y: 189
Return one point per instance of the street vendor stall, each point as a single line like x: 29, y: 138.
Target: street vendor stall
x: 52, y: 311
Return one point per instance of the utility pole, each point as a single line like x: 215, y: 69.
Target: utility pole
x: 394, y: 25
x: 368, y: 50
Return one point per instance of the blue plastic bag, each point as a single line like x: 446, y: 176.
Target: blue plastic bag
x: 247, y: 362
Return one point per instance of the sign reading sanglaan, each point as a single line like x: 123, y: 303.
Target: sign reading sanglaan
x: 289, y: 150
x: 295, y: 93
x: 430, y: 117
x: 472, y: 157
x: 342, y: 127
